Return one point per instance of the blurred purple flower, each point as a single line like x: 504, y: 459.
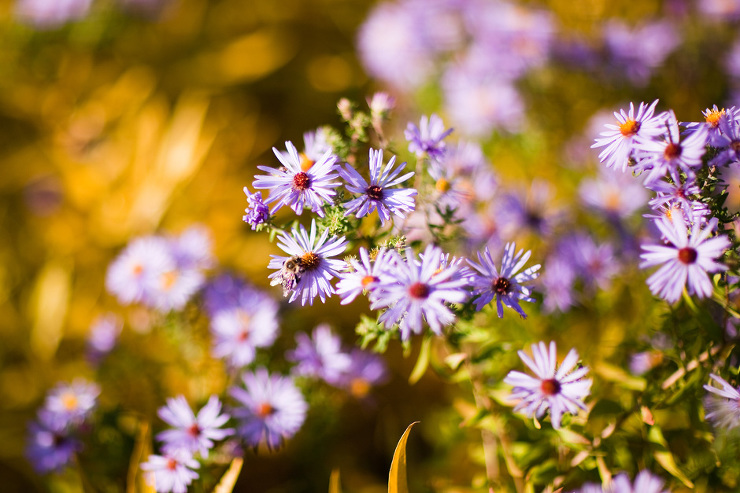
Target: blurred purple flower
x: 614, y: 194
x: 172, y: 472
x: 728, y: 140
x: 48, y: 14
x: 560, y: 389
x: 295, y: 187
x: 428, y: 138
x: 51, y: 446
x: 686, y: 260
x: 366, y: 371
x: 142, y: 261
x: 320, y: 356
x: 192, y: 433
x: 379, y: 194
x: 238, y: 331
x: 104, y: 333
x: 312, y: 267
x: 636, y: 52
x: 722, y: 404
x: 73, y: 402
x: 271, y: 408
x: 557, y: 282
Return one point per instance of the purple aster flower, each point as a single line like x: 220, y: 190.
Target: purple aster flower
x: 619, y: 141
x: 378, y: 194
x: 560, y: 389
x: 364, y: 275
x: 193, y: 248
x: 104, y: 333
x: 256, y: 212
x: 645, y: 482
x: 636, y: 52
x: 296, y: 188
x: 595, y: 264
x: 418, y: 290
x: 534, y: 209
x: 366, y: 371
x: 272, y: 408
x: 614, y: 194
x: 47, y: 14
x: 73, y: 402
x: 677, y: 196
x: 172, y: 472
x: 712, y: 118
x: 722, y: 405
x: 671, y: 155
x: 729, y: 139
x: 686, y: 260
x: 306, y: 273
x: 240, y: 330
x: 173, y: 288
x: 427, y: 138
x: 320, y: 356
x: 557, y: 282
x: 50, y: 446
x: 192, y: 433
x: 139, y: 264
x: 227, y: 291
x: 452, y: 190
x: 504, y: 285
x: 644, y: 361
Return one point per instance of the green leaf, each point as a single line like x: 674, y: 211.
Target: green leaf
x: 228, y: 480
x: 665, y: 458
x: 334, y: 484
x: 397, y: 482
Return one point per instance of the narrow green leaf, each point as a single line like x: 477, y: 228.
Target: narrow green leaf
x: 228, y: 480
x: 334, y: 483
x: 423, y: 362
x: 135, y: 482
x: 666, y: 460
x: 397, y: 477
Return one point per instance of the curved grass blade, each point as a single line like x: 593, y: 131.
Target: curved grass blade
x: 397, y: 482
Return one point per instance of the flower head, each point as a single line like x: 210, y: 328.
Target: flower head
x: 686, y: 260
x: 417, y: 290
x: 240, y: 330
x: 73, y: 402
x: 427, y: 138
x: 271, y: 408
x: 295, y: 187
x: 722, y: 404
x: 171, y: 472
x: 506, y: 284
x: 559, y: 389
x: 379, y: 194
x: 365, y: 371
x: 365, y: 274
x: 308, y: 270
x: 51, y: 446
x: 192, y: 433
x: 104, y: 333
x: 256, y: 212
x: 320, y: 356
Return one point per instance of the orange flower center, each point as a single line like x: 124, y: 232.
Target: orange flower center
x: 367, y: 280
x: 306, y: 163
x: 310, y: 260
x: 265, y: 409
x: 714, y: 116
x: 442, y: 185
x: 629, y: 128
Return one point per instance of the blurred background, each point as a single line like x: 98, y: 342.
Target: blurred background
x: 120, y: 118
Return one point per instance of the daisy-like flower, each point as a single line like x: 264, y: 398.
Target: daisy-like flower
x: 560, y: 389
x: 240, y: 330
x: 427, y: 138
x: 296, y: 188
x: 620, y: 139
x: 723, y: 404
x: 104, y: 333
x: 256, y: 212
x: 139, y: 265
x: 172, y: 472
x: 645, y: 482
x: 320, y: 356
x: 192, y: 433
x: 712, y: 118
x: 614, y: 194
x: 686, y: 260
x: 671, y: 155
x: 417, y: 290
x: 729, y: 139
x: 73, y: 402
x: 364, y: 276
x: 307, y: 272
x: 506, y: 284
x: 366, y: 371
x: 192, y: 249
x: 272, y: 408
x: 51, y: 446
x: 378, y: 194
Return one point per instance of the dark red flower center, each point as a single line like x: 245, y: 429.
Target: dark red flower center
x: 672, y: 151
x: 171, y: 464
x: 301, y: 181
x: 687, y: 255
x: 735, y: 145
x: 374, y: 192
x: 194, y: 430
x: 501, y: 285
x: 419, y: 290
x: 550, y: 387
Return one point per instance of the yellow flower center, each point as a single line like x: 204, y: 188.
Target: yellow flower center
x: 629, y: 128
x: 70, y: 401
x: 714, y: 116
x: 442, y: 185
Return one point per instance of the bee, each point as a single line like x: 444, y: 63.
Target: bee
x: 290, y: 274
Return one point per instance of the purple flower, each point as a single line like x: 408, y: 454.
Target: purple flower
x: 256, y: 212
x: 138, y: 265
x: 380, y: 104
x: 560, y: 389
x: 51, y: 446
x: 364, y: 275
x: 729, y: 139
x: 534, y: 209
x: 47, y: 14
x: 669, y: 156
x: 619, y: 141
x: 192, y: 249
x: 192, y: 433
x: 295, y: 187
x: 722, y: 405
x: 504, y: 285
x: 378, y: 194
x: 427, y: 139
x: 614, y: 194
x: 308, y: 270
x: 320, y: 356
x: 172, y: 472
x: 713, y: 117
x: 557, y: 282
x: 418, y: 290
x: 638, y: 51
x: 645, y: 482
x: 104, y: 333
x: 73, y: 402
x: 240, y: 330
x: 365, y: 371
x: 272, y: 408
x: 686, y: 260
